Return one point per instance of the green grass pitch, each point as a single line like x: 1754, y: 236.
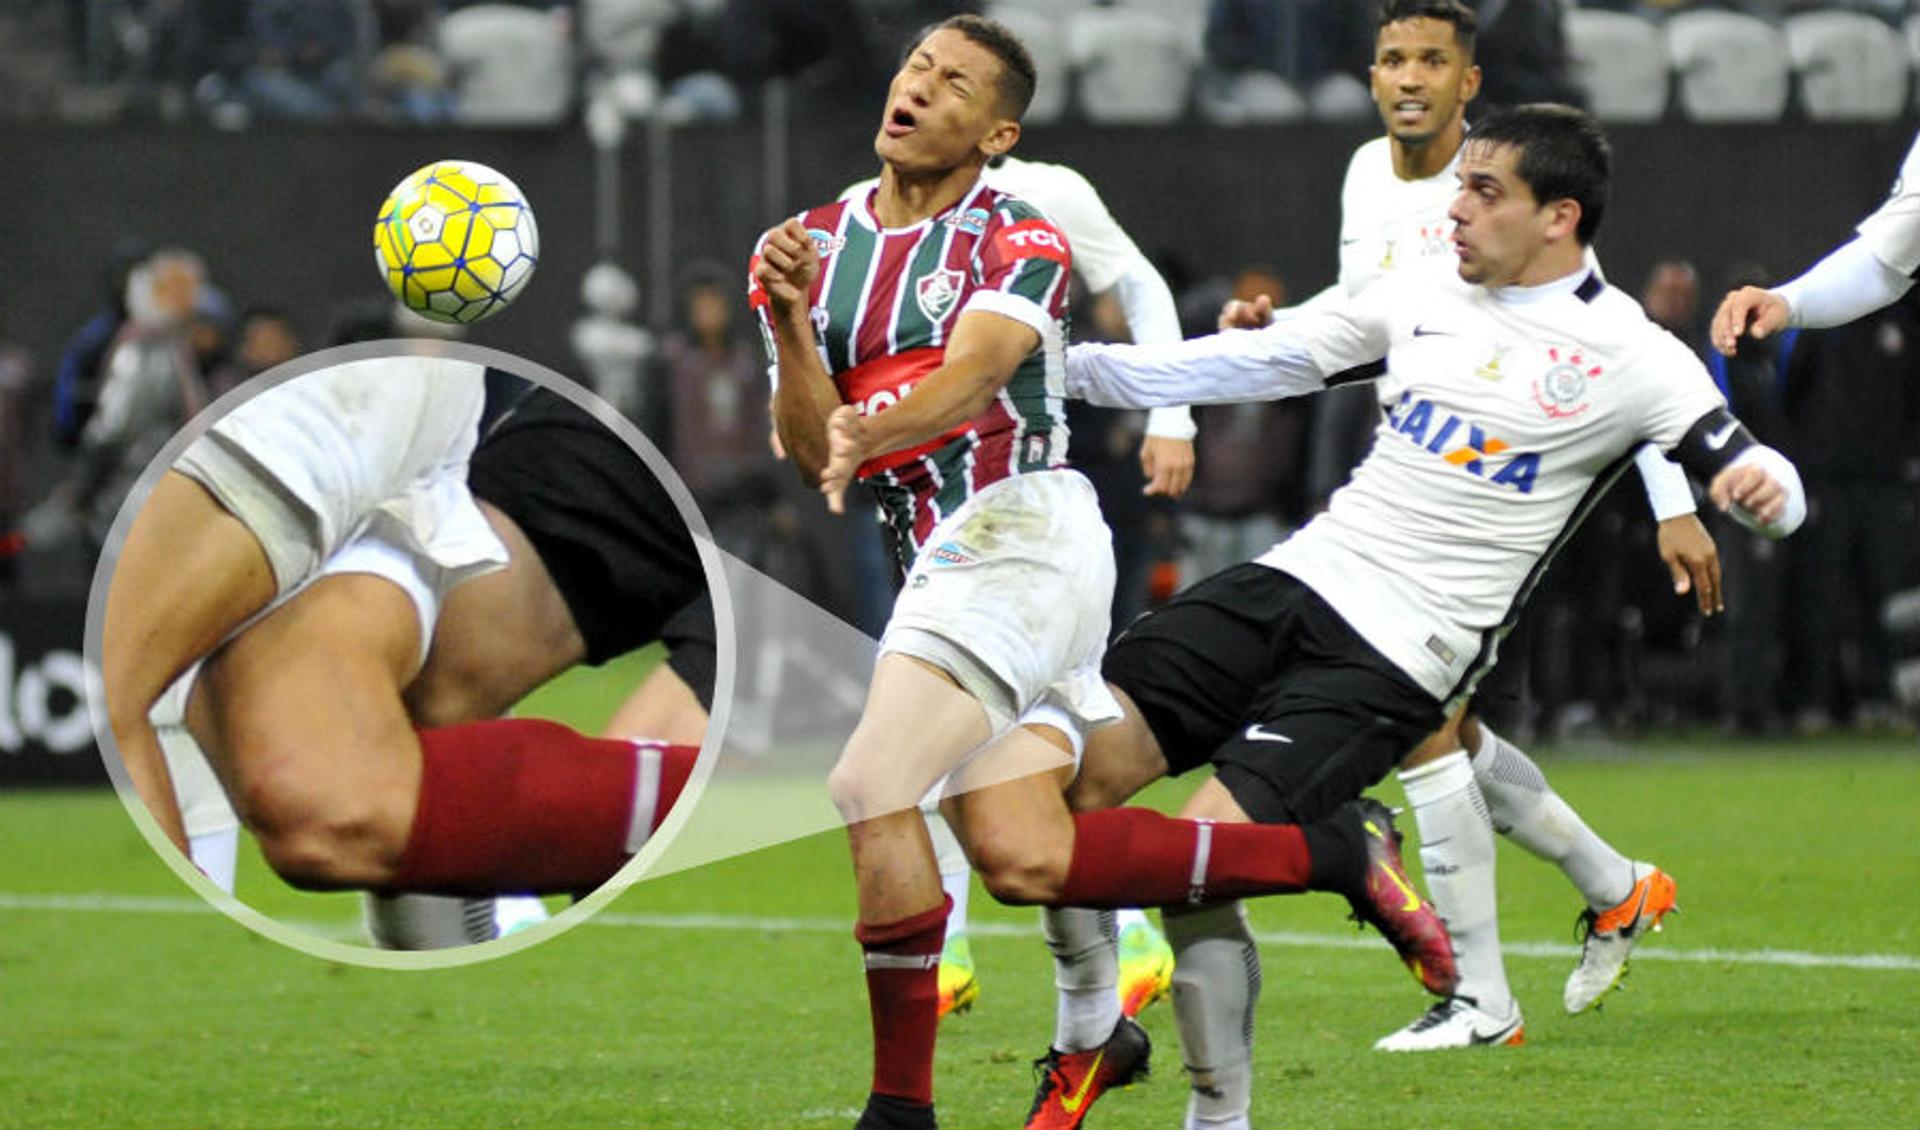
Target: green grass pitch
x: 731, y: 996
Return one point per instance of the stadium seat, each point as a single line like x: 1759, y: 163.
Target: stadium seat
x: 1731, y: 67
x: 511, y: 66
x: 624, y: 33
x: 1250, y: 98
x: 1851, y: 65
x: 1047, y: 43
x: 1190, y: 16
x: 1134, y: 67
x: 1913, y: 54
x: 1621, y: 62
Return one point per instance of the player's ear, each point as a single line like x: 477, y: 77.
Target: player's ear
x: 1470, y: 83
x: 1001, y: 138
x: 1563, y: 218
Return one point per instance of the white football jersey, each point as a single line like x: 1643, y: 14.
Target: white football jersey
x: 1893, y: 232
x: 1509, y: 413
x: 1388, y: 224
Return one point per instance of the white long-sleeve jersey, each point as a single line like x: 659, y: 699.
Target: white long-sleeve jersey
x: 1389, y: 225
x: 1509, y: 412
x: 1871, y: 270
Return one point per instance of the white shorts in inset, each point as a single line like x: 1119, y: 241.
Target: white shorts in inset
x: 378, y: 445
x: 1020, y: 580
x: 204, y: 807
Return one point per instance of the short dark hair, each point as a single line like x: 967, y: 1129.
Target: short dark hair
x: 1562, y: 156
x: 1017, y: 74
x: 1465, y: 23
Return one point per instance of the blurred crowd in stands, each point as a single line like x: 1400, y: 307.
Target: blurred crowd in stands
x: 537, y: 62
x: 1805, y: 643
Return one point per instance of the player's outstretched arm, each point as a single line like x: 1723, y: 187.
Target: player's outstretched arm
x: 1848, y: 284
x: 1693, y: 559
x: 980, y: 359
x: 784, y: 270
x: 1755, y: 484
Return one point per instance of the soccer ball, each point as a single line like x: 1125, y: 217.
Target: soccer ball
x: 456, y: 241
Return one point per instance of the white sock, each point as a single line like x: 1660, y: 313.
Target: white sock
x: 1086, y: 971
x: 427, y: 922
x: 1456, y: 851
x: 1129, y: 917
x: 1526, y: 810
x: 214, y: 854
x: 1216, y: 983
x: 956, y: 876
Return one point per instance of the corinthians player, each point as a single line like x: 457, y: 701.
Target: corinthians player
x: 1421, y: 563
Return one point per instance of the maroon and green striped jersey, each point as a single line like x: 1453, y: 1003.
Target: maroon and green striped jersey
x: 883, y: 307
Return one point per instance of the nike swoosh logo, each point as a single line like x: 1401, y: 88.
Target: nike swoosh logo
x: 1259, y: 733
x: 1718, y: 439
x: 1072, y: 1103
x: 1413, y: 900
x: 1498, y: 1037
x: 1422, y: 331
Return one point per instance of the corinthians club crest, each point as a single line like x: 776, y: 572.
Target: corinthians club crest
x: 1562, y: 389
x: 937, y: 292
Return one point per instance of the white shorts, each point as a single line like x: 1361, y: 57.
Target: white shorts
x: 1020, y: 581
x: 378, y: 445
x: 204, y: 807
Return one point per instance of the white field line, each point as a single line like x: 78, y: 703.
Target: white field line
x: 741, y: 923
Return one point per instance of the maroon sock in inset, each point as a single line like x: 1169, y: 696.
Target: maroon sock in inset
x: 903, y: 993
x: 1139, y: 857
x: 524, y: 805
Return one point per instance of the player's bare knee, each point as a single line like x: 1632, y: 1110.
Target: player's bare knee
x: 317, y: 830
x: 1019, y: 873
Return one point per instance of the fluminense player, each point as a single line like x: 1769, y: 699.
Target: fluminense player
x: 1335, y: 652
x: 1105, y: 258
x: 1466, y: 781
x: 916, y: 339
x: 302, y: 712
x: 1871, y: 270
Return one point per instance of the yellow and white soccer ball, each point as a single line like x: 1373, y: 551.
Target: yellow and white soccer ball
x: 456, y: 241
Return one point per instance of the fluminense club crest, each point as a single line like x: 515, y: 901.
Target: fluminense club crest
x: 937, y: 292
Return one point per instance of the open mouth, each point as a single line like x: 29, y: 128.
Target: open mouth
x: 900, y: 122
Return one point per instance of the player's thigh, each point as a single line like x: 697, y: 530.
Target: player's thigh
x: 1190, y: 669
x: 303, y: 709
x: 917, y: 726
x: 1119, y: 760
x: 1309, y: 747
x: 188, y: 574
x: 498, y: 637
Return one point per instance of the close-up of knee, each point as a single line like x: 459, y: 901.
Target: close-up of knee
x: 861, y: 789
x: 314, y: 836
x: 1021, y: 877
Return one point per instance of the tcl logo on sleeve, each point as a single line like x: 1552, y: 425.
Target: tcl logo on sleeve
x: 1030, y: 239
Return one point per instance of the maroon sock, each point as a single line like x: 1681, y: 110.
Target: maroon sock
x: 1138, y: 857
x: 525, y: 805
x: 903, y: 993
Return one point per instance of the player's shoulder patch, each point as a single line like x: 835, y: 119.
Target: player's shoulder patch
x: 1020, y: 230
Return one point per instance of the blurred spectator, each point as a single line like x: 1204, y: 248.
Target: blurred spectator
x: 1522, y: 52
x: 824, y: 46
x: 1672, y: 300
x: 407, y: 79
x: 306, y: 59
x: 76, y: 384
x: 267, y: 338
x: 152, y: 386
x: 16, y: 389
x: 716, y: 389
x: 1247, y: 486
x: 1273, y: 60
x: 1855, y: 408
x: 1752, y: 631
x: 612, y: 349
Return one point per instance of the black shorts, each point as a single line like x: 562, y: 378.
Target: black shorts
x: 691, y: 651
x: 1250, y: 670
x: 615, y: 544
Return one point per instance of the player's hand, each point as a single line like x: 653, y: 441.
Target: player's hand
x: 1749, y: 311
x: 846, y: 450
x: 1694, y: 561
x: 1168, y: 465
x: 788, y: 264
x: 1752, y: 489
x: 1239, y: 314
